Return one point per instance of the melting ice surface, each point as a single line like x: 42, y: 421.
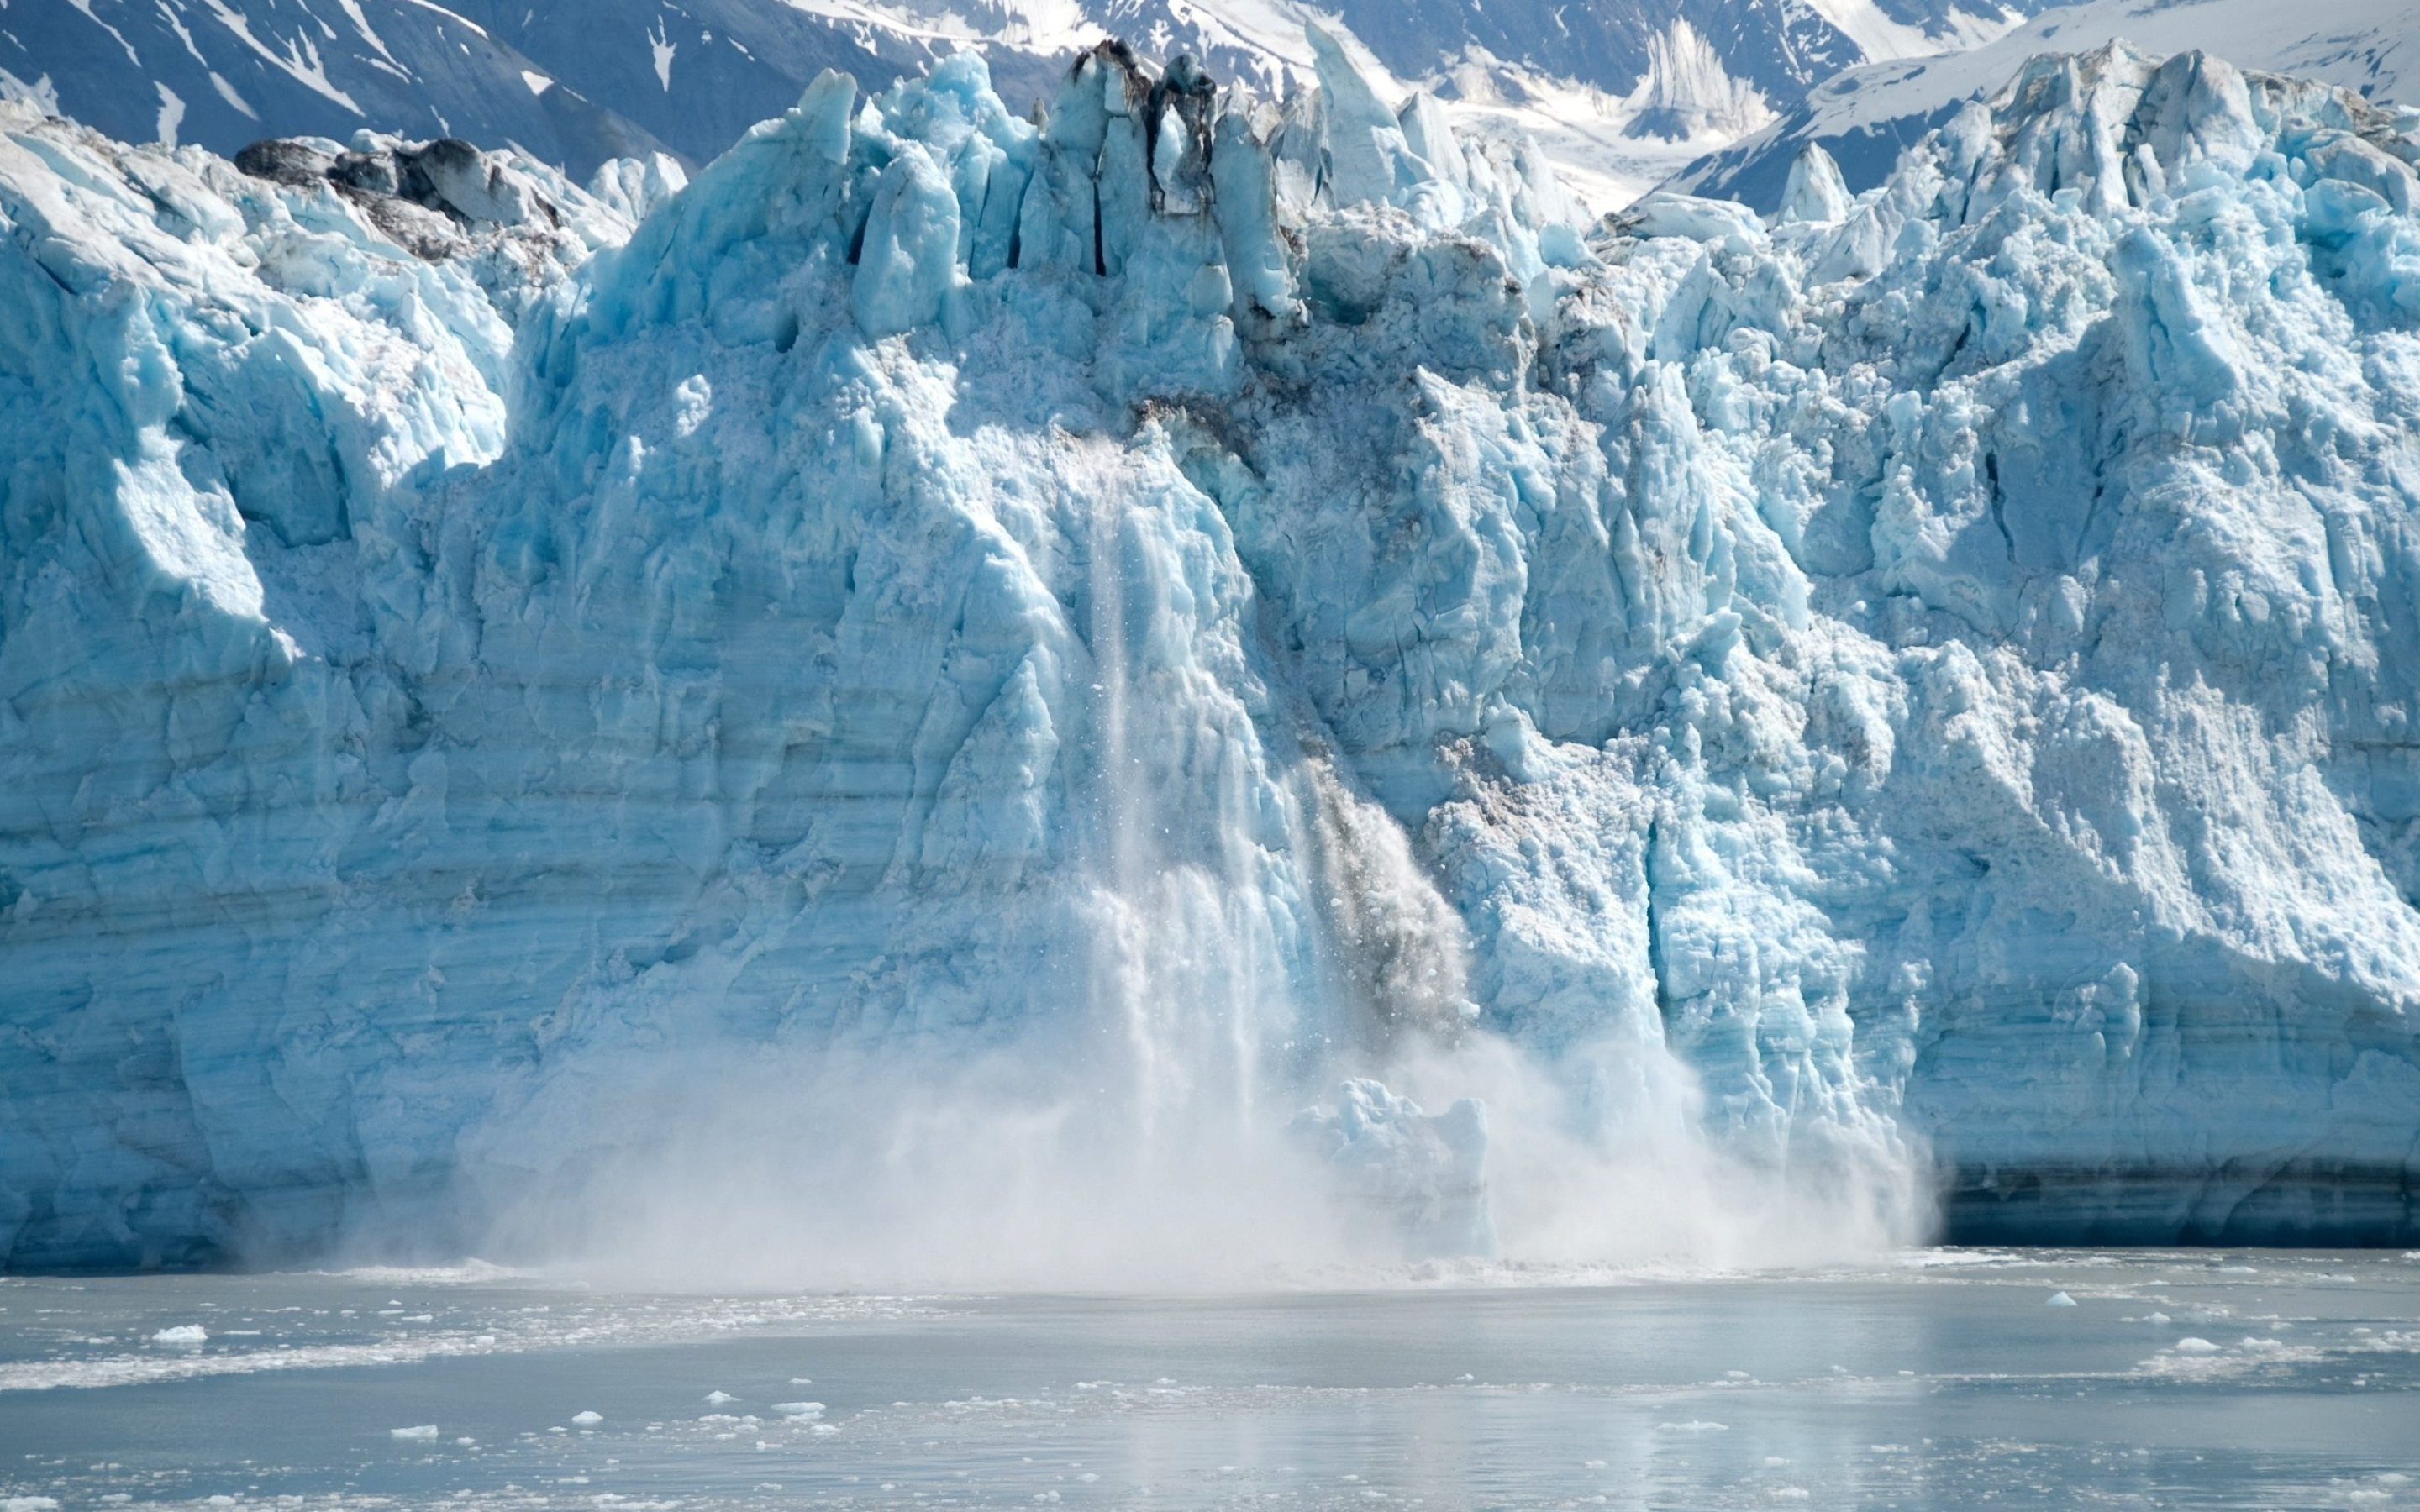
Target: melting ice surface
x: 1939, y: 1379
x: 903, y: 708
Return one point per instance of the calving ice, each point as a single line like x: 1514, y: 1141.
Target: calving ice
x: 909, y: 706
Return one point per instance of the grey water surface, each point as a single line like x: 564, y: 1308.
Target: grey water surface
x: 1940, y: 1378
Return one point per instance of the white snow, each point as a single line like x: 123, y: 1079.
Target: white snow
x: 2366, y: 45
x: 172, y: 115
x: 424, y: 1432
x: 181, y: 1334
x: 660, y: 48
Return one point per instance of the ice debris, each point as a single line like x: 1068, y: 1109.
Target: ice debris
x: 1427, y: 1175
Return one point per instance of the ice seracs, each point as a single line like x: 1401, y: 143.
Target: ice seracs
x: 1136, y: 619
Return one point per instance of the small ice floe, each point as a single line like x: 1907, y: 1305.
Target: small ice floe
x: 185, y: 1334
x: 719, y: 1397
x: 587, y: 1420
x: 29, y: 1503
x: 2060, y: 1298
x: 2191, y: 1345
x: 801, y: 1381
x: 425, y: 1431
x: 800, y: 1410
x: 1693, y: 1426
x: 2157, y: 1318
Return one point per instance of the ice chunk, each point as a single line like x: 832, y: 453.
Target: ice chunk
x: 1666, y: 214
x: 181, y: 1334
x: 1815, y: 195
x: 2060, y: 1299
x: 1427, y: 1175
x: 910, y: 265
x: 423, y: 1433
x: 587, y: 1419
x: 1368, y: 158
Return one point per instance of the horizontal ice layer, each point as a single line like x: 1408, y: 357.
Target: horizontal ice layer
x: 1164, y: 593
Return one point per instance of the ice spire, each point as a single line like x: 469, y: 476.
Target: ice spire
x: 1816, y: 194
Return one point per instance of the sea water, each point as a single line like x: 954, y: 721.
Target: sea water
x: 1933, y: 1379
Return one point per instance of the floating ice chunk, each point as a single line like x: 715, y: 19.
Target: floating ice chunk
x: 1692, y: 1425
x: 587, y: 1419
x: 181, y: 1334
x: 425, y: 1431
x: 801, y: 1381
x: 719, y: 1397
x: 2060, y: 1298
x: 800, y: 1410
x: 2157, y: 1318
x: 29, y: 1503
x: 2193, y: 1344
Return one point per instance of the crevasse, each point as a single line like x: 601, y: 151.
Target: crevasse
x: 1128, y: 622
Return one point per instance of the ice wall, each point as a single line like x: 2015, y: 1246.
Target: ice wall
x: 1196, y: 600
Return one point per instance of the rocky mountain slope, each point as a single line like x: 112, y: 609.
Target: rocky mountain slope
x: 1625, y: 91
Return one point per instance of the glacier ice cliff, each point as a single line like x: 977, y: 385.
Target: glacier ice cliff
x: 1194, y: 600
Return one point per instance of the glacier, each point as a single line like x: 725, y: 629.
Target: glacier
x: 952, y: 646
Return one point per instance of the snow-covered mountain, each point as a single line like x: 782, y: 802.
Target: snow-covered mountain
x: 1625, y: 91
x: 1866, y: 116
x: 951, y: 676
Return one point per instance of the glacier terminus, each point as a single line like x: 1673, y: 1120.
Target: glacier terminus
x: 1241, y: 662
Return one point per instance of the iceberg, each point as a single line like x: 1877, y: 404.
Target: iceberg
x: 1144, y: 616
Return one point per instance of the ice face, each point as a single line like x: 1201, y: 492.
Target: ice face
x: 991, y: 605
